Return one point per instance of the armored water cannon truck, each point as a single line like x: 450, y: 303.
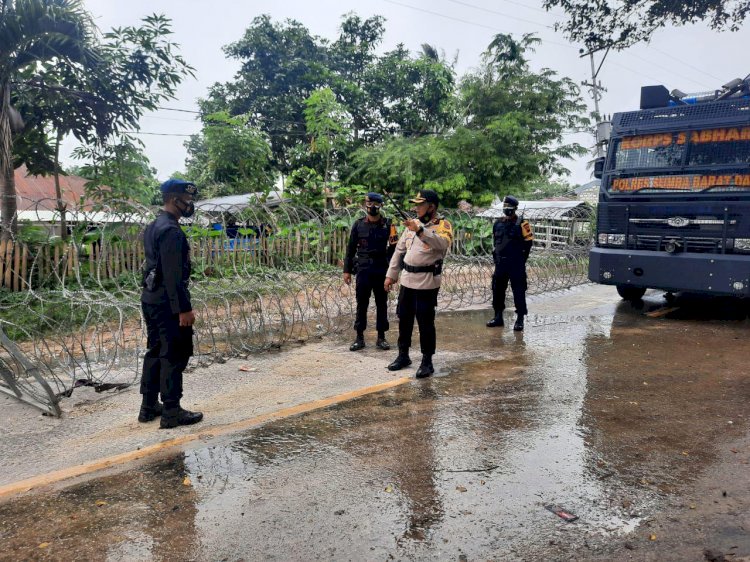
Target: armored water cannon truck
x: 674, y: 202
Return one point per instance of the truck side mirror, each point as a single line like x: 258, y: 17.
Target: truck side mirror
x: 598, y: 168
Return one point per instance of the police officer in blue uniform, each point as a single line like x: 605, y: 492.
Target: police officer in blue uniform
x: 167, y: 310
x: 513, y: 240
x: 371, y: 244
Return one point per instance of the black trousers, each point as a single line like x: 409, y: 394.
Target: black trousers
x: 169, y: 350
x: 419, y: 304
x: 515, y: 272
x: 368, y: 283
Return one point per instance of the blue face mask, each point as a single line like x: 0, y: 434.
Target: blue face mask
x: 509, y: 212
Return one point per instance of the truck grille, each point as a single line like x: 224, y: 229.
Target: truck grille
x: 688, y: 244
x: 698, y: 227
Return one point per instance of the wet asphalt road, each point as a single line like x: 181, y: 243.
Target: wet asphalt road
x: 596, y: 407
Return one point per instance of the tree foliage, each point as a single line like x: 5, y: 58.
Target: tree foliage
x: 118, y: 172
x: 327, y: 123
x: 511, y: 134
x: 229, y: 157
x: 31, y: 33
x: 283, y: 65
x: 621, y: 23
x: 67, y: 80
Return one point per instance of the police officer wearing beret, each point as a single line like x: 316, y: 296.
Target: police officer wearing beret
x: 167, y: 310
x: 419, y: 259
x: 371, y: 244
x: 513, y: 240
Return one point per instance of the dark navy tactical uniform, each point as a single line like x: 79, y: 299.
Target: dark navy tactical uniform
x: 513, y: 241
x: 165, y: 295
x: 371, y: 245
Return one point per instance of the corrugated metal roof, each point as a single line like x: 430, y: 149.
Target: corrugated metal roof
x: 235, y: 203
x: 47, y: 216
x: 38, y: 192
x: 532, y: 210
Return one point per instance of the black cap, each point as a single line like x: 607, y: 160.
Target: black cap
x: 510, y: 201
x: 374, y: 197
x: 426, y: 196
x: 174, y: 185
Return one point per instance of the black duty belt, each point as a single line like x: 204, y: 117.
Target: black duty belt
x: 436, y: 268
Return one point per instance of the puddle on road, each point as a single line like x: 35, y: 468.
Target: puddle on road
x: 602, y: 414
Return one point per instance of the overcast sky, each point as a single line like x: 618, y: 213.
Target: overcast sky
x: 692, y: 58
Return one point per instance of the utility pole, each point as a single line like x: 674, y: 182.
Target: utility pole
x: 596, y: 89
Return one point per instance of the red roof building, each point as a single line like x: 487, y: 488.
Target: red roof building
x: 37, y: 193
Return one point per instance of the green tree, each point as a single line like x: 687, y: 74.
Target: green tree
x: 511, y: 134
x: 327, y: 122
x: 622, y: 23
x: 307, y: 188
x: 412, y: 96
x: 516, y: 118
x: 229, y: 157
x: 349, y: 59
x: 118, y: 172
x: 281, y: 65
x: 403, y: 165
x: 94, y: 96
x: 32, y: 33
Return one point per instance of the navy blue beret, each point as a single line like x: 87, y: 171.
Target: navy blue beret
x: 174, y: 185
x: 375, y: 197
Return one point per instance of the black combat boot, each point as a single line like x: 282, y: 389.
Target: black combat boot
x: 359, y: 343
x: 151, y: 408
x: 518, y: 326
x: 425, y: 367
x: 497, y: 321
x: 401, y: 361
x: 382, y: 343
x: 172, y: 417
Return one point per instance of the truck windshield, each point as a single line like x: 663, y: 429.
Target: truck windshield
x: 645, y: 155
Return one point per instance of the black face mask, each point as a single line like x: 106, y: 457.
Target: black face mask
x: 188, y: 210
x: 373, y: 211
x: 509, y: 212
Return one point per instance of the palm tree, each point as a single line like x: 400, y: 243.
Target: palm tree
x: 32, y: 33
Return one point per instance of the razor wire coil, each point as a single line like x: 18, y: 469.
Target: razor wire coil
x: 262, y: 276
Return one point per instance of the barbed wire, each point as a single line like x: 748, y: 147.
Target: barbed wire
x: 263, y: 275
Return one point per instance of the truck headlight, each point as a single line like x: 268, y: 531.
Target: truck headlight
x: 611, y: 239
x: 742, y: 244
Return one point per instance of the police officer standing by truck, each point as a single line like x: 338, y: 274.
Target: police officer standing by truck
x: 419, y: 259
x: 167, y: 310
x: 371, y: 244
x: 513, y: 240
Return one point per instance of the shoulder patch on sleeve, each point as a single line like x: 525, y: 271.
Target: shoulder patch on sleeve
x: 444, y: 229
x: 528, y: 234
x: 393, y: 235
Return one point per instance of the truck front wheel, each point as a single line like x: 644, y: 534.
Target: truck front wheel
x: 630, y: 293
